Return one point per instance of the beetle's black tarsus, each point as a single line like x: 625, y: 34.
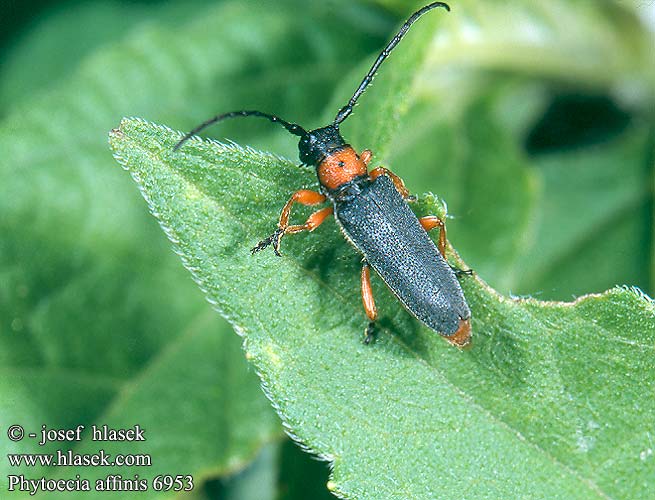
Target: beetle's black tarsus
x: 348, y: 108
x: 461, y: 272
x: 273, y: 239
x: 370, y: 333
x: 293, y: 128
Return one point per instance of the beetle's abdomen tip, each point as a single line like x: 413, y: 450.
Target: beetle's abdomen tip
x: 462, y: 337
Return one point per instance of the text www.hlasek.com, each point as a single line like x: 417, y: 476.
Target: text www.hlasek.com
x: 68, y: 458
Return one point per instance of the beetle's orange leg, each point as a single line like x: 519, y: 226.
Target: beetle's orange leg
x: 366, y: 156
x: 314, y: 220
x: 304, y: 197
x: 397, y: 181
x: 429, y: 222
x: 369, y: 303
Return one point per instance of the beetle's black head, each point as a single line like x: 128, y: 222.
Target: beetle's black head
x: 315, y: 145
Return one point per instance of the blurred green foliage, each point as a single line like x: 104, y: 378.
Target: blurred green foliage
x: 533, y: 121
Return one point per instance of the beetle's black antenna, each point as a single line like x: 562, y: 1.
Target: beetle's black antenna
x: 348, y: 108
x: 291, y: 127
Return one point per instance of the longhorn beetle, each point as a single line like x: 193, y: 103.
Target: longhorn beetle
x: 372, y: 211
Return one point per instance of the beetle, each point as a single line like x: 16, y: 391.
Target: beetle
x: 372, y: 211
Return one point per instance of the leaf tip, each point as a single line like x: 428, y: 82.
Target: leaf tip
x: 115, y: 134
x: 118, y: 134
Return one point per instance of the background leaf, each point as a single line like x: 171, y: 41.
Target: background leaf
x: 57, y: 43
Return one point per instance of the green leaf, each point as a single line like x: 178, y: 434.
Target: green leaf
x: 606, y: 243
x: 469, y: 120
x: 257, y: 482
x: 554, y: 391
